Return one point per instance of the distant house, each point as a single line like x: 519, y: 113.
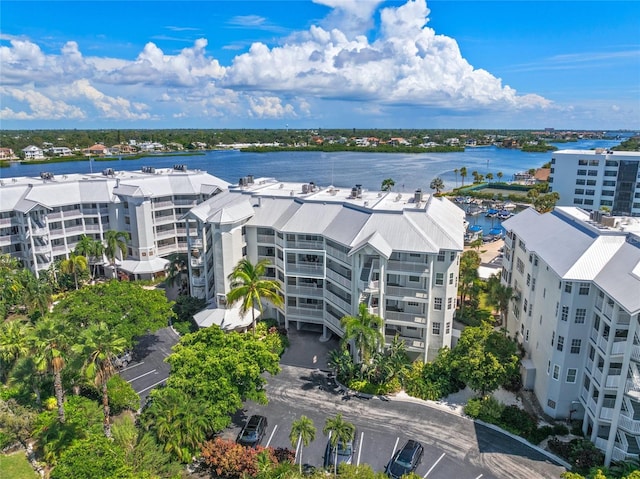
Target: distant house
x: 60, y: 151
x: 151, y: 146
x: 398, y: 142
x: 471, y: 142
x: 98, y: 150
x: 32, y: 152
x: 542, y: 175
x: 198, y: 145
x: 510, y: 143
x: 175, y: 146
x: 6, y: 153
x: 452, y: 141
x: 123, y: 149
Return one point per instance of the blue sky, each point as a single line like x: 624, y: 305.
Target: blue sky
x: 321, y: 64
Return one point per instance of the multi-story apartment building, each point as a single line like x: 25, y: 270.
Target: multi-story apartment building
x: 592, y: 179
x: 332, y: 249
x: 42, y: 219
x: 576, y: 313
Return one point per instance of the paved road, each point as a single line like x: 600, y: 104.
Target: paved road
x: 148, y: 369
x: 455, y: 447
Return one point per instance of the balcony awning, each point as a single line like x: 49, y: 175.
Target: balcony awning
x: 155, y: 265
x: 228, y: 319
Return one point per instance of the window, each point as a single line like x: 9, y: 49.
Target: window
x: 520, y: 265
x: 608, y: 183
x: 567, y: 287
x: 413, y: 304
x: 584, y: 289
x: 553, y: 337
x: 533, y: 284
x: 528, y: 279
x: 450, y: 278
x: 452, y: 256
x: 580, y: 182
x: 594, y: 162
x: 556, y: 371
x: 579, y: 191
x: 571, y: 375
x: 548, y: 366
x: 608, y: 193
x: 414, y: 279
x: 565, y: 313
x: 575, y: 346
x: 582, y: 172
x: 447, y: 327
x: 441, y: 256
x: 526, y: 303
x: 593, y: 172
x: 551, y: 403
x: 588, y: 202
x: 560, y: 345
x: 590, y: 192
x: 436, y: 328
x: 526, y: 336
x: 439, y: 279
x: 583, y: 162
x: 437, y: 304
x: 581, y: 314
x: 449, y: 303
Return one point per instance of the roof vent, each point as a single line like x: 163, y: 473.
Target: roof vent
x: 148, y: 169
x: 305, y: 189
x: 180, y: 167
x: 46, y: 175
x: 108, y: 172
x: 417, y: 197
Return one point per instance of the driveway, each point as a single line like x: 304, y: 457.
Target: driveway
x: 306, y: 350
x: 148, y: 369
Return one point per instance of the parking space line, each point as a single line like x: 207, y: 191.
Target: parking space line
x: 142, y: 375
x: 479, y: 476
x: 395, y: 446
x: 434, y: 465
x: 360, y: 447
x: 131, y: 367
x: 271, y: 437
x: 152, y: 386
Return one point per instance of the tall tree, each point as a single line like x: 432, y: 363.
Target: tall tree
x: 455, y: 172
x: 387, y: 184
x: 100, y: 345
x: 249, y: 286
x: 437, y: 184
x: 177, y: 268
x: 92, y: 249
x: 74, y: 264
x: 489, y: 176
x: 36, y: 293
x: 115, y: 243
x: 463, y: 174
x: 51, y: 344
x: 14, y: 343
x: 365, y: 330
x: 545, y: 203
x: 499, y: 174
x: 302, y: 433
x: 499, y: 295
x: 469, y: 264
x: 341, y: 431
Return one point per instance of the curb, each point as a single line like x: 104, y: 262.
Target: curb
x: 424, y: 402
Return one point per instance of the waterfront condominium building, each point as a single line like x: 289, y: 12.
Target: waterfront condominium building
x: 332, y: 249
x: 576, y: 313
x: 43, y: 218
x: 593, y: 179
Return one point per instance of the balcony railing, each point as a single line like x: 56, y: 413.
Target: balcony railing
x: 629, y: 424
x: 308, y: 291
x: 338, y: 301
x: 403, y: 266
x: 162, y: 204
x: 404, y: 317
x: 635, y: 353
x: 338, y: 278
x: 90, y: 211
x: 54, y: 216
x: 93, y: 227
x: 196, y: 262
x: 35, y: 231
x: 198, y: 280
x: 406, y: 292
x: 335, y: 253
x: 306, y: 244
x: 74, y: 228
x: 632, y: 389
x: 41, y: 248
x: 316, y: 313
x: 591, y: 404
x: 165, y: 234
x: 59, y: 249
x: 195, y: 242
x: 618, y: 348
x: 602, y: 343
x: 269, y: 239
x: 606, y: 413
x: 412, y: 344
x: 159, y: 220
x: 597, y: 375
x: 306, y: 269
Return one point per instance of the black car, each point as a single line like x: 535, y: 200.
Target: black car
x: 406, y: 460
x: 253, y: 431
x: 345, y: 453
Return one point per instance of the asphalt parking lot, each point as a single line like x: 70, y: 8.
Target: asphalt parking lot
x: 147, y: 368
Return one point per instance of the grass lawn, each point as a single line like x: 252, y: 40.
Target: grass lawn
x: 16, y: 466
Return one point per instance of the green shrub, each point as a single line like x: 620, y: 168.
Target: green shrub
x: 487, y: 409
x: 121, y: 395
x: 540, y: 434
x: 561, y: 430
x: 581, y: 453
x: 518, y: 421
x: 363, y: 386
x: 185, y: 327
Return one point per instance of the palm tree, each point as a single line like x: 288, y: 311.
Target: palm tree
x: 14, y: 343
x: 499, y: 295
x: 387, y: 184
x: 91, y: 249
x: 177, y: 267
x: 489, y: 177
x: 73, y: 265
x: 437, y: 184
x: 339, y: 431
x: 115, y: 241
x: 302, y: 433
x: 364, y: 330
x: 499, y: 174
x: 455, y: 172
x: 463, y: 174
x: 36, y: 292
x: 100, y: 345
x: 248, y: 285
x: 50, y: 344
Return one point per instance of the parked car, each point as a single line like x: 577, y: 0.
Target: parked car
x: 406, y: 460
x: 253, y: 431
x: 345, y: 452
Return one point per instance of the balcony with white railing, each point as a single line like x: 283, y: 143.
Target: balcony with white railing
x: 593, y: 335
x: 597, y: 375
x: 157, y: 205
x: 195, y: 242
x: 635, y: 353
x: 412, y: 344
x: 185, y: 202
x: 413, y: 318
x: 613, y: 381
x: 337, y: 254
x: 305, y: 313
x: 54, y: 216
x: 166, y: 249
x: 90, y: 211
x: 197, y: 262
x: 306, y: 244
x: 41, y: 248
x: 69, y: 214
x: 607, y: 413
x: 621, y: 455
x: 307, y: 269
x: 583, y: 394
x: 95, y: 227
x: 37, y: 231
x: 198, y: 280
x: 165, y: 234
x: 618, y: 348
x: 306, y: 291
x: 338, y: 278
x: 591, y: 404
x: 602, y: 343
x: 161, y: 220
x: 406, y: 292
x: 338, y: 301
x: 629, y: 424
x: 59, y: 249
x: 407, y: 267
x: 268, y: 239
x: 601, y: 443
x: 632, y: 389
x: 589, y: 365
